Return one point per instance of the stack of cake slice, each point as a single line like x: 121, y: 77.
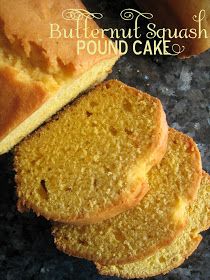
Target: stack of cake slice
x: 121, y: 188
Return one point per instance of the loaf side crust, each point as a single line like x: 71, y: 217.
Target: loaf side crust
x: 21, y: 96
x: 32, y: 16
x: 18, y: 100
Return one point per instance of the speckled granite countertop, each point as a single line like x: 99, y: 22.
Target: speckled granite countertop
x: 26, y: 246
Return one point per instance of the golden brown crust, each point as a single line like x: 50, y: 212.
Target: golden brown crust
x: 30, y: 16
x: 18, y: 100
x: 206, y: 177
x: 197, y: 175
x: 178, y: 14
x: 137, y: 190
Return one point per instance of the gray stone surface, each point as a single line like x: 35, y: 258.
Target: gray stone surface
x: 26, y: 246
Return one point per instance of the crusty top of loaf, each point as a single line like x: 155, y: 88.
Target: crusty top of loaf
x: 26, y: 23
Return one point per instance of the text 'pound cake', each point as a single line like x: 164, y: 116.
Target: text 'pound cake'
x: 40, y: 73
x: 91, y: 162
x: 154, y: 223
x: 175, y: 254
x: 182, y: 15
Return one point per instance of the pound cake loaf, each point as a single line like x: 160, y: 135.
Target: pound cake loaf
x: 175, y: 254
x: 90, y: 162
x: 40, y: 69
x: 154, y: 223
x: 183, y: 15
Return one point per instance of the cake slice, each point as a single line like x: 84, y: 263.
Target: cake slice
x: 156, y: 221
x: 174, y: 255
x: 40, y: 70
x: 90, y: 162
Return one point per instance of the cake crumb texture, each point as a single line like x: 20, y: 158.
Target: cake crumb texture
x: 90, y: 162
x: 174, y: 255
x: 156, y: 221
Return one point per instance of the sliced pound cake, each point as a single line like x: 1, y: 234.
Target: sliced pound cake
x: 157, y: 220
x: 174, y: 255
x: 90, y: 162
